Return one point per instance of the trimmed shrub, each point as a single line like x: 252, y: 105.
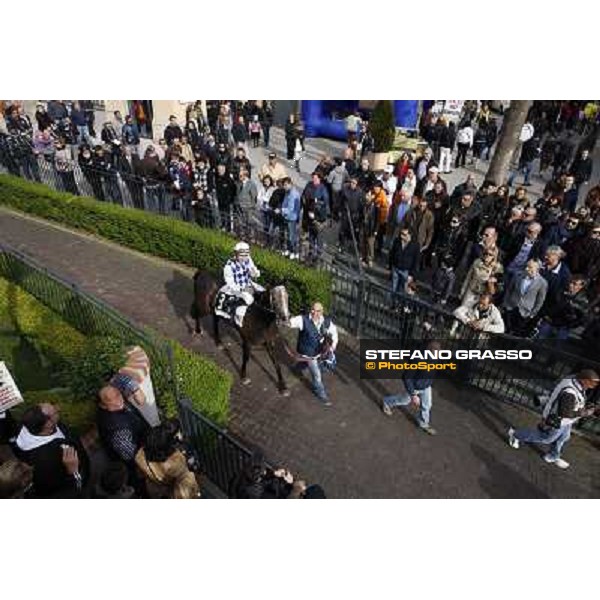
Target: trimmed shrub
x: 206, y: 384
x: 162, y: 236
x: 382, y: 126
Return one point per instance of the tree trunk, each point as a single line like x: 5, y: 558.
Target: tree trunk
x: 508, y: 140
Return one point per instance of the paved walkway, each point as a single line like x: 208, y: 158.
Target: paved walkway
x: 352, y: 449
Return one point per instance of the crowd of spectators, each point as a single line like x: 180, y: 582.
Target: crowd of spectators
x: 537, y: 258
x: 134, y: 460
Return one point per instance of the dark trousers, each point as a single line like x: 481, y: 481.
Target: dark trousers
x: 291, y: 143
x: 461, y: 155
x: 267, y: 134
x: 381, y: 229
x: 517, y: 324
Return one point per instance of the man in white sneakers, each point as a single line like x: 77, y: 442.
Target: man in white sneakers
x: 566, y: 405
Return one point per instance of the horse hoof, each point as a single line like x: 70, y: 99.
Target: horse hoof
x: 285, y: 393
x: 220, y: 347
x: 246, y: 381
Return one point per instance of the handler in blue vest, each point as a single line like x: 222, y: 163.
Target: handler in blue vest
x: 317, y: 341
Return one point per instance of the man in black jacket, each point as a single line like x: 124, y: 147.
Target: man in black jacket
x: 352, y: 200
x: 567, y: 404
x: 529, y: 152
x: 226, y: 192
x: 59, y: 460
x: 557, y: 274
x: 581, y: 169
x: 403, y: 262
x: 366, y: 177
x: 172, y: 131
x: 447, y: 140
x: 568, y: 310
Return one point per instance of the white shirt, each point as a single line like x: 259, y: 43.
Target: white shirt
x: 389, y: 187
x: 465, y: 136
x: 298, y: 323
x: 28, y: 441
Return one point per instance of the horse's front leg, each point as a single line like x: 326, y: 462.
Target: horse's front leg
x: 283, y: 389
x: 197, y: 322
x: 216, y: 332
x: 245, y: 358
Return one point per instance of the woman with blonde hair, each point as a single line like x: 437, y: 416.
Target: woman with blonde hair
x: 484, y: 277
x: 165, y: 466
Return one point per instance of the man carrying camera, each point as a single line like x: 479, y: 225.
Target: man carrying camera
x: 566, y: 405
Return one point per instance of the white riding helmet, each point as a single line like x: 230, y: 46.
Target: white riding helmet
x: 242, y: 248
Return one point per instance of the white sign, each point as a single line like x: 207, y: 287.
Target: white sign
x: 9, y: 392
x: 149, y: 409
x: 138, y: 366
x: 451, y: 109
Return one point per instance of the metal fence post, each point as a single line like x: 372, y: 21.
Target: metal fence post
x: 360, y: 303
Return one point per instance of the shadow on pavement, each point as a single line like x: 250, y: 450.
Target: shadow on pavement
x: 179, y: 292
x: 502, y: 481
x: 348, y: 367
x: 485, y: 408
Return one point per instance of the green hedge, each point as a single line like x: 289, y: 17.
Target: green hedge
x: 82, y: 363
x: 161, y: 236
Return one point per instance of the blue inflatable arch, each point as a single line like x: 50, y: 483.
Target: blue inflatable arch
x: 318, y: 116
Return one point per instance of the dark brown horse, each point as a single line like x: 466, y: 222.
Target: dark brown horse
x: 260, y: 324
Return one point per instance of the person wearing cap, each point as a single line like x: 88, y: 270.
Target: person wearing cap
x: 427, y: 184
x: 566, y: 405
x: 273, y: 168
x: 239, y: 273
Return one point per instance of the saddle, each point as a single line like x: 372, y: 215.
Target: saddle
x: 226, y: 305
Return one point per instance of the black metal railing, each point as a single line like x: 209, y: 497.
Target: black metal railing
x: 84, y: 312
x: 219, y: 456
x: 362, y: 307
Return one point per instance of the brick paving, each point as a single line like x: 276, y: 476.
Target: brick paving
x: 351, y: 448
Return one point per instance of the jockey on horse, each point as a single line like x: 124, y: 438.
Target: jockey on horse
x: 234, y: 298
